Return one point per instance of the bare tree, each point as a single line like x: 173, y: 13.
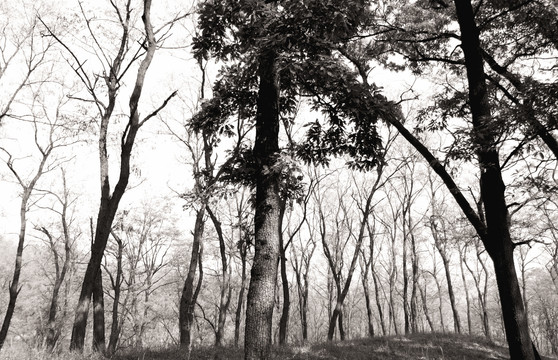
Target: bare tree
x: 62, y: 261
x: 116, y: 69
x: 56, y: 137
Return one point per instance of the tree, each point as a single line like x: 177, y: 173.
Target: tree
x: 117, y: 68
x: 485, y: 133
x: 440, y: 235
x: 49, y: 133
x: 62, y: 262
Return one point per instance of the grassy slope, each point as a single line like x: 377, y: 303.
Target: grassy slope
x: 414, y: 347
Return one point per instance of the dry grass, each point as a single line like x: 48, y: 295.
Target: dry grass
x: 413, y: 347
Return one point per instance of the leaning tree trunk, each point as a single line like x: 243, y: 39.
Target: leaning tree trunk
x: 189, y: 294
x: 109, y: 202
x: 225, y: 292
x: 497, y: 241
x: 14, y: 284
x: 261, y: 293
x: 240, y: 302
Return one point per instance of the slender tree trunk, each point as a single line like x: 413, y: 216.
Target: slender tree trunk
x: 261, y: 293
x: 284, y: 320
x: 405, y: 285
x: 367, y: 302
x: 415, y: 268
x: 240, y: 302
x: 225, y: 291
x: 379, y: 303
x: 466, y: 288
x: 14, y: 288
x: 115, y: 328
x: 189, y: 295
x: 53, y: 331
x: 440, y: 244
x: 425, y: 307
x: 375, y: 281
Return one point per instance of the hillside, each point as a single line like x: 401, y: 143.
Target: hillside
x: 418, y: 346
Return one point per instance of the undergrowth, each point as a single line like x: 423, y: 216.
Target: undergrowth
x: 412, y: 347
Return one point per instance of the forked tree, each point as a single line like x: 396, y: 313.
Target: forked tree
x: 104, y: 99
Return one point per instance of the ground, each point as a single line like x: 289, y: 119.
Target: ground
x: 412, y: 347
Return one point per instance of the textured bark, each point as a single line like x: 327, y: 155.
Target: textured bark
x: 261, y: 293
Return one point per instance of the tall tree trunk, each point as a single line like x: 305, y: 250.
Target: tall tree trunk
x: 109, y: 203
x: 189, y: 295
x: 261, y: 293
x: 498, y: 241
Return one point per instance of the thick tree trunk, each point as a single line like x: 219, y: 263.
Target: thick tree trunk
x: 261, y: 293
x: 498, y: 242
x: 98, y: 315
x: 189, y: 295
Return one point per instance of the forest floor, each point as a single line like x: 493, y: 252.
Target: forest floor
x: 412, y: 347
